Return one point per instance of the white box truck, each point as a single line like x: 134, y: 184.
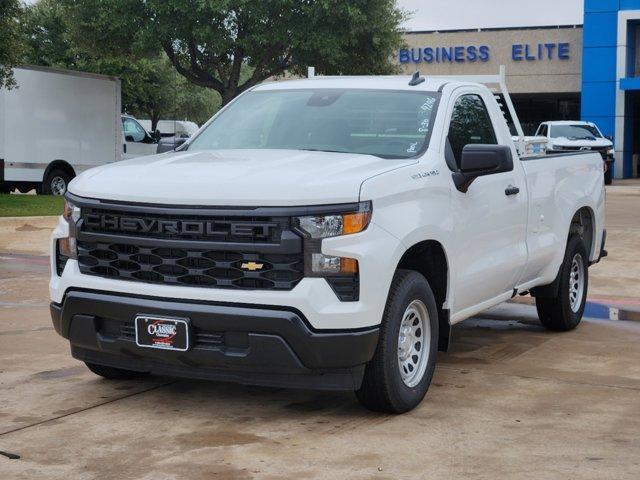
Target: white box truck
x: 55, y: 125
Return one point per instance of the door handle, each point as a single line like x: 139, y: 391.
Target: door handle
x: 511, y: 190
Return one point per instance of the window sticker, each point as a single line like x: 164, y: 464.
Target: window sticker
x: 424, y: 126
x: 424, y: 115
x: 412, y: 147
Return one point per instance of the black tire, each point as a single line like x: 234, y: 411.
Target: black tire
x: 50, y: 185
x: 111, y: 373
x: 5, y: 188
x: 556, y: 313
x: 608, y: 176
x: 383, y: 389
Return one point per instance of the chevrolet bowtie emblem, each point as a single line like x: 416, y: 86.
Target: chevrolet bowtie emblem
x: 252, y: 266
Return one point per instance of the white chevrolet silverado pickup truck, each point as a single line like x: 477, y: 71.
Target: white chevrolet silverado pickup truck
x: 323, y: 233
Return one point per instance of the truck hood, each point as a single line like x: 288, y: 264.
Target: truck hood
x: 235, y: 178
x: 565, y: 142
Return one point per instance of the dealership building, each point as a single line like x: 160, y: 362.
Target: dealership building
x: 567, y: 72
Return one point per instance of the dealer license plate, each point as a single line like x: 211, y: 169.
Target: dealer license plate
x: 162, y: 332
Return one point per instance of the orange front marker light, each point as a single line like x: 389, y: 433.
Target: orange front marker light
x: 349, y: 266
x: 355, y: 222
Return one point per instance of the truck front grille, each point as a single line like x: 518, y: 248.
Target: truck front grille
x: 219, y: 228
x: 191, y: 267
x: 214, y: 248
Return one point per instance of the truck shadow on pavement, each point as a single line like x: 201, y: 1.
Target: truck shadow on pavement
x: 476, y: 343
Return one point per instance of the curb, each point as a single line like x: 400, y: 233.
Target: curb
x: 597, y: 309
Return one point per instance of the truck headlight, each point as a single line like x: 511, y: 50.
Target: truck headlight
x: 314, y: 228
x: 326, y: 226
x: 67, y: 247
x: 71, y: 213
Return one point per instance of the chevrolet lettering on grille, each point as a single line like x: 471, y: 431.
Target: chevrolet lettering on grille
x: 152, y: 226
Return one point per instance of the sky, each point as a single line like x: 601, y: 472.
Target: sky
x: 468, y: 14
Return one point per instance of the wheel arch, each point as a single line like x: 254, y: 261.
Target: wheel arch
x: 583, y: 225
x: 62, y: 165
x: 429, y: 258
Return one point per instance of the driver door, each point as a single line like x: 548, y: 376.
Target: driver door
x: 490, y: 228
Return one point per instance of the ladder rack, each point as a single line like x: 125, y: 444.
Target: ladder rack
x: 501, y: 82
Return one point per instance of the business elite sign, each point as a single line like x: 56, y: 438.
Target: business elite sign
x: 482, y: 53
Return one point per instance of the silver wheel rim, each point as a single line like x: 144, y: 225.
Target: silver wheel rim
x: 576, y: 282
x: 58, y: 185
x: 414, y: 343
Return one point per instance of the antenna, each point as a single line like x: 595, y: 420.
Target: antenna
x: 416, y: 79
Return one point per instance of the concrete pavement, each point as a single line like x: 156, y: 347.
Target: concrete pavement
x: 509, y: 401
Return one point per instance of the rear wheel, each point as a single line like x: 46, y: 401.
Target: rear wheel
x: 564, y: 311
x: 112, y: 373
x: 398, y: 377
x: 56, y: 182
x: 608, y: 176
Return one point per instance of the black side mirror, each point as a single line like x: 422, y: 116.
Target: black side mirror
x: 609, y: 137
x: 480, y: 160
x: 169, y: 143
x: 129, y: 138
x: 157, y: 135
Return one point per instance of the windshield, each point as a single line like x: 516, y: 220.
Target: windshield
x: 388, y: 124
x: 575, y: 132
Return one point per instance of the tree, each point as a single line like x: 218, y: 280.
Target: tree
x: 150, y: 86
x: 10, y: 40
x: 209, y: 42
x: 46, y: 37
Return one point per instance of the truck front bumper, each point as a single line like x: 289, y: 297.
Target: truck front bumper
x: 258, y: 345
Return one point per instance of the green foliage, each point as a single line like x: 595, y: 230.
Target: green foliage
x: 10, y: 40
x: 46, y: 36
x: 30, y: 205
x: 151, y: 88
x: 210, y: 42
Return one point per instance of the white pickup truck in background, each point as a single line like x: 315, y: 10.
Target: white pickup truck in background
x: 324, y: 233
x: 56, y: 124
x: 575, y: 136
x: 137, y: 140
x: 172, y: 128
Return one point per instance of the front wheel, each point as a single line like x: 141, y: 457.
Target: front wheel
x: 398, y: 377
x: 564, y: 311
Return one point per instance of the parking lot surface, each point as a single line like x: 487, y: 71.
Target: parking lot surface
x: 510, y: 400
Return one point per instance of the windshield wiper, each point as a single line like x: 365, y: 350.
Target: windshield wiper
x: 322, y: 150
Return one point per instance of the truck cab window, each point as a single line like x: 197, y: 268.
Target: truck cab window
x: 385, y: 123
x: 470, y: 124
x: 132, y: 129
x: 542, y: 131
